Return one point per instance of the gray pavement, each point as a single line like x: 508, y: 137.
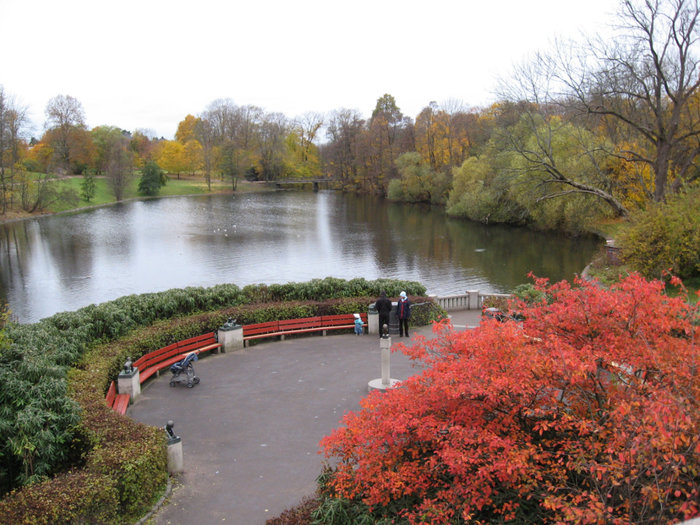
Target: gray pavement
x: 250, y: 429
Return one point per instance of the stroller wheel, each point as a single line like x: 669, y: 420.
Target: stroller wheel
x: 190, y: 385
x: 195, y: 380
x: 172, y: 383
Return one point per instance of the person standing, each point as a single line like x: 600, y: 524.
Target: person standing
x: 404, y: 313
x: 359, y: 326
x: 383, y: 307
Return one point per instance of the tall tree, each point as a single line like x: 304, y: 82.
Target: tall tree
x: 13, y: 121
x: 205, y: 134
x: 119, y: 167
x: 384, y: 129
x: 65, y: 117
x: 541, y: 128
x: 340, y: 155
x: 186, y: 129
x: 645, y: 80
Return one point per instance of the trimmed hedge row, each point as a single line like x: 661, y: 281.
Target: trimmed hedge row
x: 123, y: 457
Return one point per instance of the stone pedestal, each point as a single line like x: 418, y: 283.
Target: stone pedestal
x: 176, y: 462
x: 372, y: 322
x: 385, y: 382
x: 230, y: 336
x: 128, y: 382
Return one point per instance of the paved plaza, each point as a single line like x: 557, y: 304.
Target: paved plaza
x: 250, y: 429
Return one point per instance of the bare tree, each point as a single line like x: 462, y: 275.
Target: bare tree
x: 13, y: 120
x: 341, y: 156
x: 646, y: 81
x: 119, y: 166
x: 64, y: 113
x: 546, y: 140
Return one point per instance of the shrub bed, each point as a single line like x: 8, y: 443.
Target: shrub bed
x: 54, y: 417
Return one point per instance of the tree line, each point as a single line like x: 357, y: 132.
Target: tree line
x: 589, y: 130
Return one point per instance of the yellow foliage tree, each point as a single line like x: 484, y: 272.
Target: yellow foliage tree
x: 171, y: 157
x: 187, y: 129
x: 193, y: 155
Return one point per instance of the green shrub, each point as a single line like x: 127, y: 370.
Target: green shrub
x: 73, y: 497
x: 665, y: 237
x: 53, y: 416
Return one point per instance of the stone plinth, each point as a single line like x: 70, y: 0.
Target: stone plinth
x: 372, y: 322
x: 128, y: 383
x: 230, y: 335
x: 176, y: 462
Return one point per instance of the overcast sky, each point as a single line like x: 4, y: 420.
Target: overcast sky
x: 146, y: 64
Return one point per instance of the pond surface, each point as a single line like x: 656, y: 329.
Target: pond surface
x: 64, y: 262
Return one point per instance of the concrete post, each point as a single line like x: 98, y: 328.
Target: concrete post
x: 128, y: 381
x: 230, y: 336
x: 385, y: 345
x: 473, y: 299
x: 372, y: 320
x: 385, y: 382
x: 176, y: 463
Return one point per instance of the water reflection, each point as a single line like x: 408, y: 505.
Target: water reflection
x: 66, y: 262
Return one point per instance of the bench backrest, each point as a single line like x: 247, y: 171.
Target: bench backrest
x: 341, y: 319
x: 300, y: 324
x: 194, y: 343
x: 260, y: 328
x: 152, y: 357
x: 158, y: 356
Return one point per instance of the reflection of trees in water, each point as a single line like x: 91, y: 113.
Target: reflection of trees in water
x: 502, y: 254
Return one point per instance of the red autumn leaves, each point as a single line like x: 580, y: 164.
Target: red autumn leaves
x: 586, y: 412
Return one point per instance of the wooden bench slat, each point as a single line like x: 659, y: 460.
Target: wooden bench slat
x: 202, y: 343
x: 121, y: 403
x: 302, y: 325
x: 260, y: 328
x: 111, y: 394
x: 150, y: 356
x: 151, y: 361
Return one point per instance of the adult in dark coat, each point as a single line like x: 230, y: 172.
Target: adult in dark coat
x: 383, y: 306
x: 404, y: 312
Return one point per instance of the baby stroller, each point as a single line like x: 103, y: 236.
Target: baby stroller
x: 183, y: 371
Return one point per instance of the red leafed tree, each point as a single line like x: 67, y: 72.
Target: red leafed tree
x: 586, y: 412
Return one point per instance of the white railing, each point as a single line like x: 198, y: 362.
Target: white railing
x: 472, y: 300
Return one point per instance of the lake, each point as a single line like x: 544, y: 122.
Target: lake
x: 64, y: 262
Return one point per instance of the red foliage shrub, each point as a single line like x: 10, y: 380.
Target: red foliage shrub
x: 586, y: 412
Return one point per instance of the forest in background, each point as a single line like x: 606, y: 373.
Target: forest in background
x: 588, y: 132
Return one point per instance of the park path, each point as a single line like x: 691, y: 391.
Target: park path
x: 250, y: 429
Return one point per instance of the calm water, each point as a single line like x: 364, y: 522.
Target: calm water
x: 62, y: 263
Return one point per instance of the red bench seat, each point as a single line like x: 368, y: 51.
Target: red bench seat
x: 117, y: 402
x: 297, y: 326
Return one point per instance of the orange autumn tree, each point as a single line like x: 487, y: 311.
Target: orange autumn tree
x: 586, y: 412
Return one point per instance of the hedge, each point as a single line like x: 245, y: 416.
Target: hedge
x: 53, y: 416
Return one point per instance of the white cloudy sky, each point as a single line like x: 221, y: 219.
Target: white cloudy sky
x: 146, y: 64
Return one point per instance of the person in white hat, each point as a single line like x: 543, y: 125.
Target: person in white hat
x: 359, y: 327
x: 403, y: 309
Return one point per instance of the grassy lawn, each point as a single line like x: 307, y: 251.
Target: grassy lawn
x: 185, y: 186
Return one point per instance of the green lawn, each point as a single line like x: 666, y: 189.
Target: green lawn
x: 185, y: 186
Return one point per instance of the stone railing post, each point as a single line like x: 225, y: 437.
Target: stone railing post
x: 473, y: 300
x: 128, y: 381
